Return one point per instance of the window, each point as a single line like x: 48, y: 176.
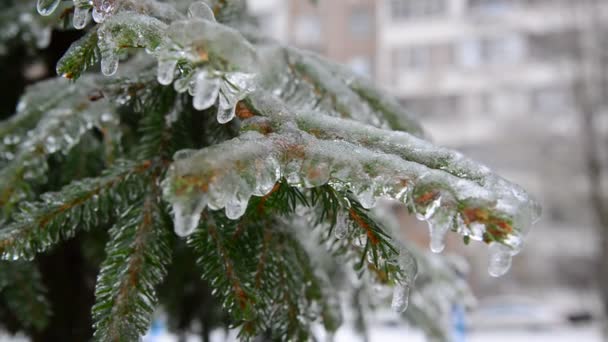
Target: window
x: 490, y: 7
x: 409, y: 9
x: 497, y: 50
x: 506, y: 49
x: 360, y: 22
x: 422, y: 57
x: 551, y: 100
x: 469, y: 53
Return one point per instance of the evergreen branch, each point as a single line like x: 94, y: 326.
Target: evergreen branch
x: 82, y: 55
x: 61, y: 123
x: 22, y: 290
x: 138, y: 253
x: 385, y: 106
x: 79, y: 205
x: 250, y: 165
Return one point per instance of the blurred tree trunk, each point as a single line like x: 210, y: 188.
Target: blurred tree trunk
x: 590, y: 91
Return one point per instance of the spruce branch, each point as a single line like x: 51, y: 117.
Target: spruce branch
x: 22, y: 290
x: 137, y: 256
x: 78, y: 206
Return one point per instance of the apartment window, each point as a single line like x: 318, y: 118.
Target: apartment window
x: 411, y: 9
x: 551, y: 100
x: 422, y: 57
x: 425, y: 106
x: 490, y: 7
x: 497, y: 50
x: 308, y: 29
x: 505, y: 49
x: 469, y: 53
x: 361, y: 22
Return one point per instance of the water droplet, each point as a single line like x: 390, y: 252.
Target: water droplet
x: 186, y: 215
x: 166, y: 70
x: 401, y: 295
x: 206, y: 90
x: 201, y: 10
x: 47, y: 7
x: 81, y: 17
x: 500, y: 259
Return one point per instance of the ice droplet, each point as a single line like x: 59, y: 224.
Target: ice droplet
x: 201, y: 10
x: 102, y: 11
x: 439, y: 225
x: 166, y: 70
x: 236, y: 207
x: 500, y: 259
x: 109, y: 63
x: 81, y: 17
x: 47, y: 7
x: 341, y: 228
x: 401, y: 295
x: 225, y: 115
x: 186, y: 216
x: 206, y: 90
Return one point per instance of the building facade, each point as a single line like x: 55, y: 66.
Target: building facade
x: 492, y: 78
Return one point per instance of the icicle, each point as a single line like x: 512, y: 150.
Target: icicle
x: 439, y: 225
x: 225, y: 115
x: 237, y: 205
x: 102, y: 11
x: 109, y: 55
x: 166, y: 70
x: 206, y: 90
x: 109, y: 63
x: 500, y: 259
x: 400, y: 300
x: 47, y: 7
x: 341, y: 227
x: 81, y: 17
x: 201, y: 10
x: 186, y: 216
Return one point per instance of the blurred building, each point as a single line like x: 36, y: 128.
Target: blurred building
x: 492, y: 78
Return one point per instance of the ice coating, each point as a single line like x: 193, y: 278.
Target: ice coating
x: 310, y: 151
x: 127, y: 29
x: 199, y: 41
